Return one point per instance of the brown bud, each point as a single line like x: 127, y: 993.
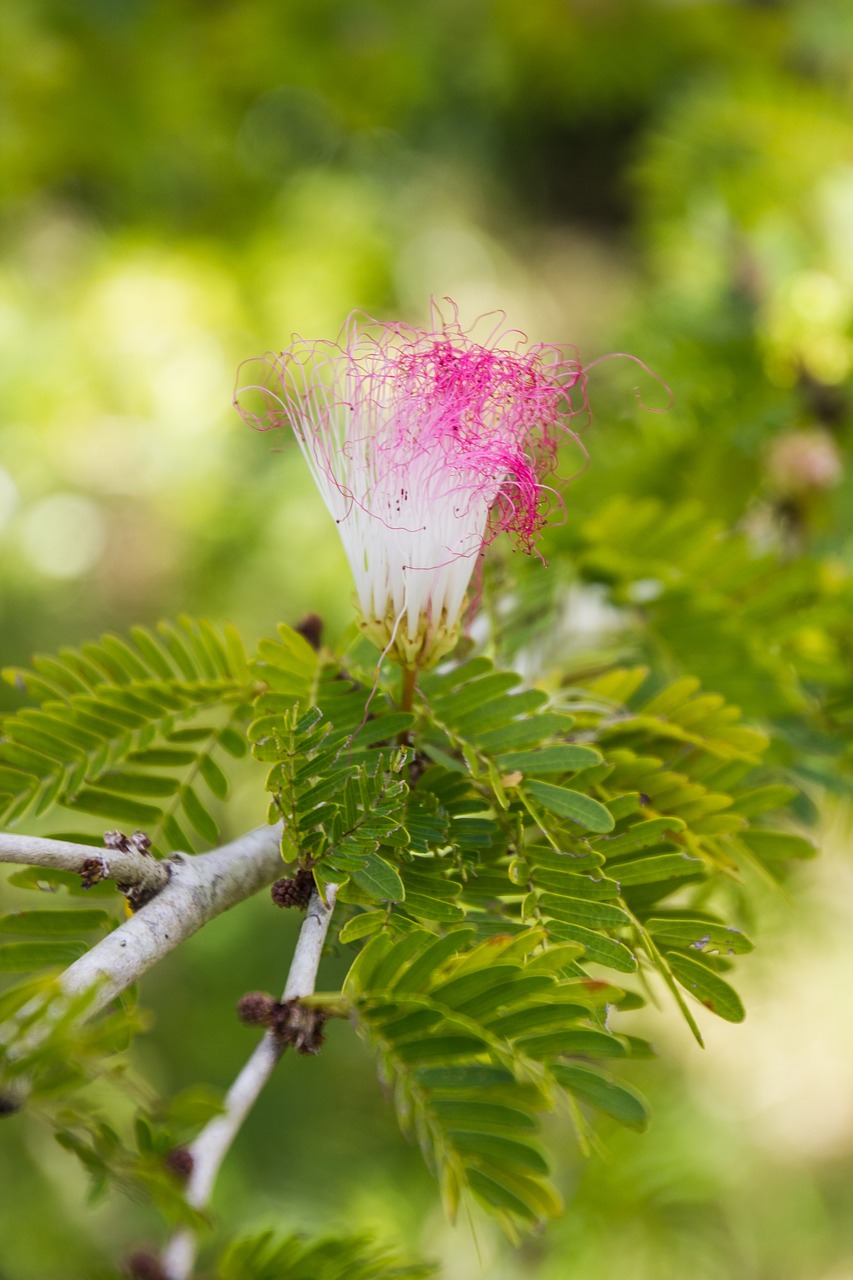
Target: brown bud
x: 180, y: 1162
x: 311, y: 629
x: 92, y: 872
x: 256, y: 1009
x: 300, y: 1026
x: 144, y: 1265
x: 294, y: 891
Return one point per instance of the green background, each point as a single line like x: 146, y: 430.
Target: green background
x: 184, y: 184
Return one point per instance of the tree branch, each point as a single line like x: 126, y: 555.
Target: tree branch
x: 125, y: 866
x: 199, y: 888
x: 212, y: 1144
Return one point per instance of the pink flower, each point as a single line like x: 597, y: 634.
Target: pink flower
x: 425, y: 446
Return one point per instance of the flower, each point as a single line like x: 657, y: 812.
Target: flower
x: 424, y: 445
x: 804, y: 462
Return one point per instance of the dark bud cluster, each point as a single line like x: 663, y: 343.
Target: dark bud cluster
x: 94, y: 869
x: 294, y: 891
x: 299, y: 1026
x: 143, y: 1265
x: 256, y: 1009
x: 139, y: 842
x: 293, y: 1024
x: 311, y: 629
x: 92, y: 872
x: 9, y: 1104
x: 179, y: 1161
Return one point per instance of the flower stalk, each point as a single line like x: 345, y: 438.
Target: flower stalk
x: 407, y: 688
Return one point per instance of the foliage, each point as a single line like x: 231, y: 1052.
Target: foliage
x: 471, y: 1042
x: 512, y: 860
x: 188, y: 183
x: 267, y: 1257
x: 164, y: 705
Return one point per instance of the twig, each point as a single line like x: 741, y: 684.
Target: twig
x: 212, y: 1144
x: 125, y: 866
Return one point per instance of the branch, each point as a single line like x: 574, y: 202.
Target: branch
x: 212, y: 1144
x: 128, y: 867
x: 197, y: 889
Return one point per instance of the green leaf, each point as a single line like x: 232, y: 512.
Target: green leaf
x: 515, y: 1192
x: 535, y: 1020
x: 214, y: 777
x: 643, y: 835
x: 584, y: 911
x: 587, y: 1043
x: 565, y: 803
x: 429, y: 960
x: 116, y: 808
x: 125, y: 783
x: 473, y: 1116
x: 464, y: 989
x: 765, y: 799
x: 529, y: 732
x: 162, y: 757
x: 777, y: 844
x: 500, y: 1150
x: 56, y: 923
x: 618, y: 1100
x: 380, y: 880
x: 271, y: 1257
x: 699, y: 934
x: 362, y: 925
x: 477, y: 1076
x: 233, y: 742
x: 288, y: 666
x: 423, y: 907
x: 575, y: 886
x: 21, y: 957
x: 201, y: 820
x: 437, y: 1048
x: 708, y: 988
x: 597, y: 947
x: 47, y: 880
x: 473, y: 694
x: 558, y: 759
x: 193, y: 1107
x: 665, y: 866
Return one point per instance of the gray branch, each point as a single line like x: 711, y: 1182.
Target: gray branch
x: 126, y: 867
x: 212, y: 1144
x: 199, y: 888
x: 196, y: 890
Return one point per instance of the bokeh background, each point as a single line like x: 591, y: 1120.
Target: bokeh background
x: 184, y: 183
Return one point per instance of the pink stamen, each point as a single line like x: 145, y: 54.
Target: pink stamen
x: 425, y: 446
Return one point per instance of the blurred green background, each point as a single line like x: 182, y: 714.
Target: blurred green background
x: 184, y: 184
